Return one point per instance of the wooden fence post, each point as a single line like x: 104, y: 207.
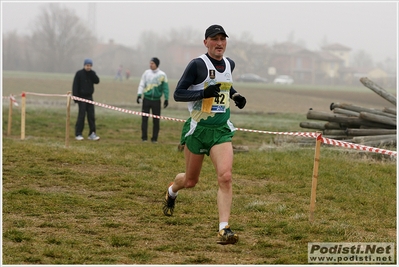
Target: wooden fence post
x: 315, y: 176
x: 23, y: 108
x: 68, y: 119
x: 9, y: 117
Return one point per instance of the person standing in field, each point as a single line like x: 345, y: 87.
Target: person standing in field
x: 207, y: 86
x: 153, y: 84
x: 127, y: 73
x: 83, y: 87
x: 119, y: 73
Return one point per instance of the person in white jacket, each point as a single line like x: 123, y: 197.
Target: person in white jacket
x: 153, y: 84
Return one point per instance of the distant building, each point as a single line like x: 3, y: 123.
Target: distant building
x: 328, y: 66
x: 294, y: 60
x: 339, y: 51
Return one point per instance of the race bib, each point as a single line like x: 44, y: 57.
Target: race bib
x: 220, y: 103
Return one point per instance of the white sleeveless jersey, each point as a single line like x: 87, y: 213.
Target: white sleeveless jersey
x: 215, y: 110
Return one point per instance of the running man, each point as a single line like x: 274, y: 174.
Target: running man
x: 206, y: 85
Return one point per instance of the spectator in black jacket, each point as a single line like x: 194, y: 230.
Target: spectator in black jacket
x: 83, y: 87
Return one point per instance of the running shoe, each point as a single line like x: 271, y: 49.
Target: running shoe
x: 169, y: 203
x: 93, y: 137
x: 226, y: 236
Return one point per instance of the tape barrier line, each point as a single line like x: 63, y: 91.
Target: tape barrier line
x: 39, y: 94
x: 14, y: 101
x: 358, y: 147
x: 329, y: 141
x: 301, y: 134
x: 125, y: 110
x: 31, y: 93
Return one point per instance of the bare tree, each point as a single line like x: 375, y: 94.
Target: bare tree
x: 151, y: 45
x: 12, y: 51
x: 17, y: 53
x: 60, y: 39
x: 186, y: 35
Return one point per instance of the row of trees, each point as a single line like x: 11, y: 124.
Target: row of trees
x: 60, y: 40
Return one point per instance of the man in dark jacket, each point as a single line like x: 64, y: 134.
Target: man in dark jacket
x: 83, y: 87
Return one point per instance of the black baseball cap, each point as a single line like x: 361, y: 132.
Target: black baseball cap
x: 214, y: 30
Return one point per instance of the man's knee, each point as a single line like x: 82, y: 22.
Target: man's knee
x: 225, y: 179
x: 190, y: 184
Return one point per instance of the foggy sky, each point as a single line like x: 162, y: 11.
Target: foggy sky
x: 368, y: 26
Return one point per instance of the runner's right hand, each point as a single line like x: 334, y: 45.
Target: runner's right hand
x: 212, y: 90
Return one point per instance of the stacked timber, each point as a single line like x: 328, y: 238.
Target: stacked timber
x: 356, y: 124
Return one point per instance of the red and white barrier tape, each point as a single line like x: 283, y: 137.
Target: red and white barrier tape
x: 125, y: 110
x: 302, y: 134
x: 358, y: 147
x: 39, y: 94
x: 14, y: 101
x: 329, y: 141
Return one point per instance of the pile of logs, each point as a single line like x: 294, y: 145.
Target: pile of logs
x: 351, y: 123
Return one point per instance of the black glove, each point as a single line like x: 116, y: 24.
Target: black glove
x: 212, y: 90
x: 240, y: 101
x: 138, y: 99
x: 165, y: 103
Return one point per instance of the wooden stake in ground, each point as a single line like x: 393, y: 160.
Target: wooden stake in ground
x: 68, y: 119
x: 9, y: 117
x: 315, y: 176
x: 23, y: 108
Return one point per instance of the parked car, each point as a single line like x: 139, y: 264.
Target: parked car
x: 250, y: 77
x: 283, y: 79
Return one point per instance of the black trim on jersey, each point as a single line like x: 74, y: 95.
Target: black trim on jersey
x: 195, y: 73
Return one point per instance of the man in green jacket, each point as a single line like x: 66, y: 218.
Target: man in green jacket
x: 152, y: 85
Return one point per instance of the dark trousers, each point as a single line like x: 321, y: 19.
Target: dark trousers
x: 83, y: 109
x: 155, y: 106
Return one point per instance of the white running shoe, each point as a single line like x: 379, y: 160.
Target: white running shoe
x: 93, y: 137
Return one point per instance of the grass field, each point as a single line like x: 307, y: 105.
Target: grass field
x: 100, y: 202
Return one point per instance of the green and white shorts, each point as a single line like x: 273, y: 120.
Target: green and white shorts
x: 199, y: 139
